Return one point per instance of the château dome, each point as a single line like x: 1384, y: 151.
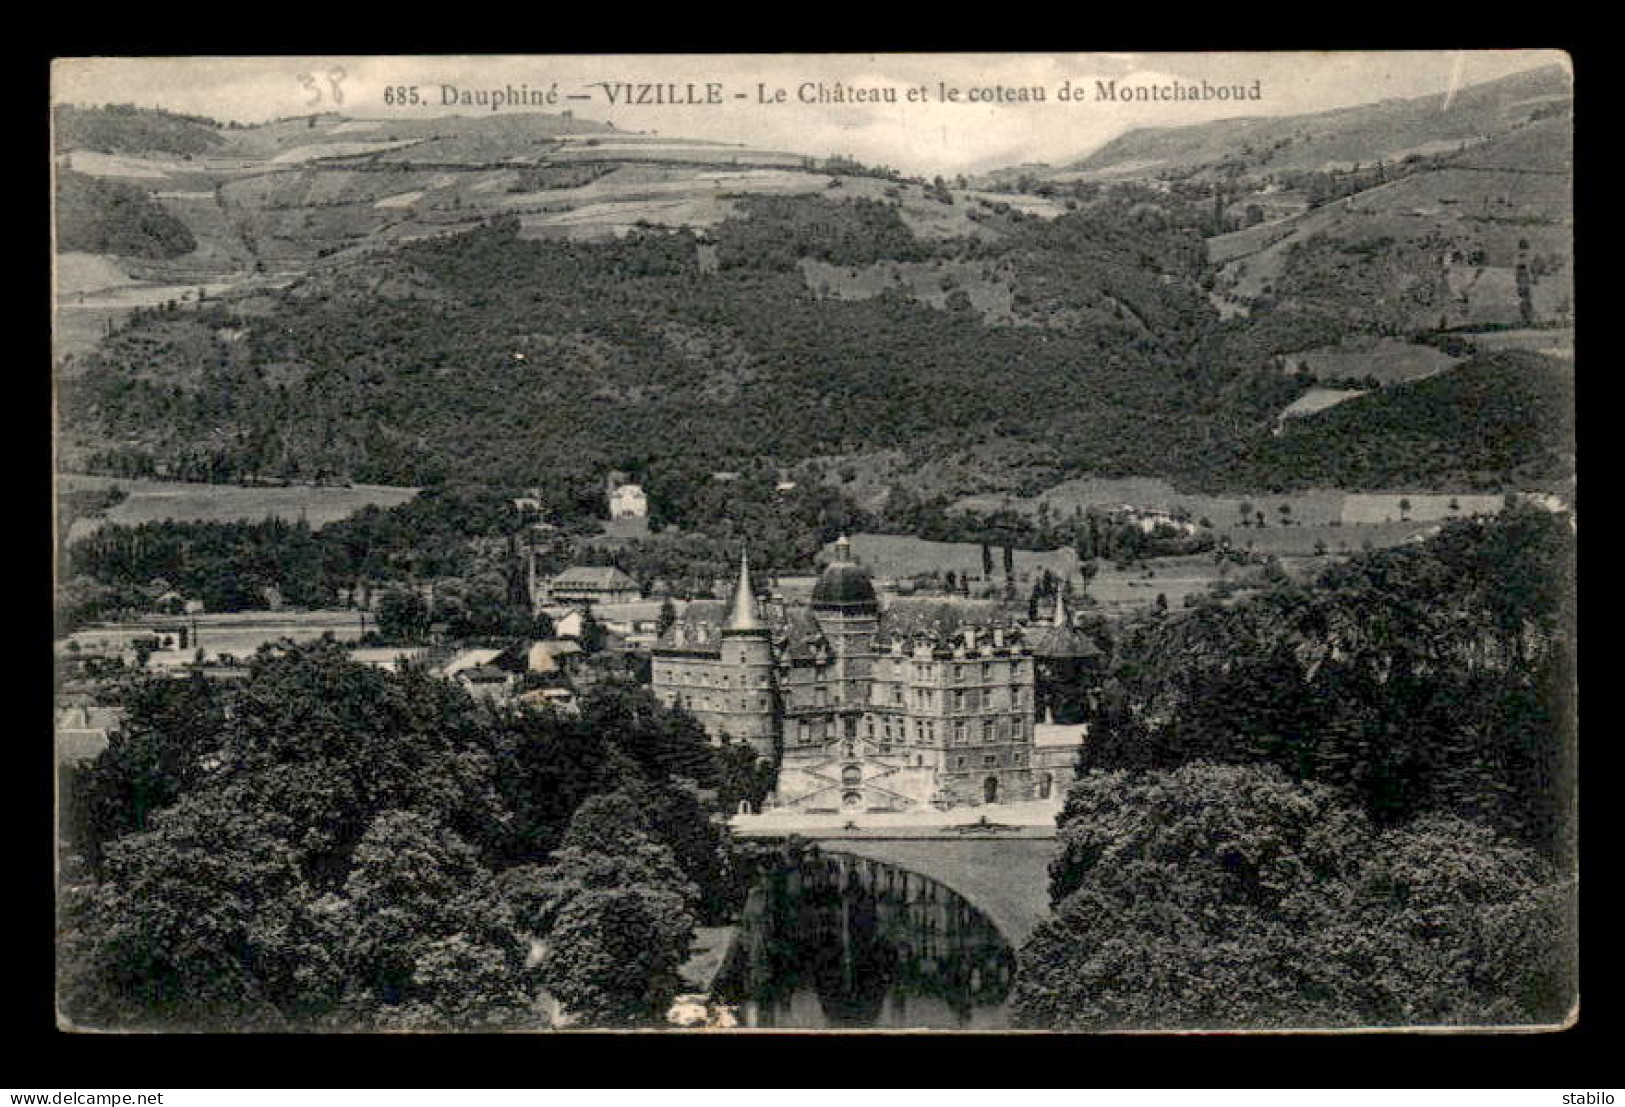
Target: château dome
x: 844, y: 585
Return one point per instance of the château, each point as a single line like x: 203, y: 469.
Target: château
x: 857, y: 716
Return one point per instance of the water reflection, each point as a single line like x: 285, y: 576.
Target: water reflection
x: 836, y: 941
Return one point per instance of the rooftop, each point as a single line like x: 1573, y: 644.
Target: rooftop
x: 845, y: 584
x: 594, y: 576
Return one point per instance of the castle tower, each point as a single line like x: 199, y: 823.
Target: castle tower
x: 848, y: 614
x: 750, y: 692
x: 1066, y: 665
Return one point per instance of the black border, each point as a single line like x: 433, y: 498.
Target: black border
x: 42, y: 1058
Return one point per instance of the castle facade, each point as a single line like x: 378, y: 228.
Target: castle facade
x: 859, y: 718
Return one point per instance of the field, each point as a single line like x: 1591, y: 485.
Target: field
x: 1492, y: 218
x: 238, y: 634
x: 1082, y: 493
x: 1119, y: 590
x: 1423, y: 507
x: 1389, y: 360
x: 1316, y: 399
x: 893, y: 556
x: 1301, y: 540
x: 989, y: 290
x: 1554, y: 342
x: 153, y: 501
x: 1312, y: 512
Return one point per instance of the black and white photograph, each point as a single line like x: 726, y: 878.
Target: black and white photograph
x: 745, y: 544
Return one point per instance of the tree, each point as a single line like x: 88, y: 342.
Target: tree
x: 403, y: 616
x: 618, y: 915
x: 742, y: 776
x: 155, y: 755
x: 199, y: 922
x: 593, y: 637
x: 1218, y: 896
x: 430, y: 943
x: 612, y: 955
x: 668, y: 617
x: 1404, y: 508
x: 348, y: 848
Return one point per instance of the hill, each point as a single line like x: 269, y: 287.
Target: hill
x: 572, y: 358
x: 265, y: 204
x: 1485, y: 238
x: 1499, y: 420
x: 536, y: 299
x: 1341, y: 139
x: 126, y: 129
x: 1446, y: 212
x: 107, y: 217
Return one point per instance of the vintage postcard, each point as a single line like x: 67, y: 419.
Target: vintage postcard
x: 864, y: 543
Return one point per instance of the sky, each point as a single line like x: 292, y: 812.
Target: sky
x: 928, y: 136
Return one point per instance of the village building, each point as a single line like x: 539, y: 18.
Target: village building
x: 637, y: 622
x: 628, y: 501
x: 859, y: 717
x: 391, y: 659
x: 591, y: 584
x: 487, y: 682
x: 628, y: 508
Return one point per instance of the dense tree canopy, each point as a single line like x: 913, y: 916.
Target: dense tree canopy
x: 1431, y: 677
x: 1228, y: 896
x: 329, y: 845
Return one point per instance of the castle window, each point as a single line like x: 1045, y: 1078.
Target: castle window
x: 987, y: 670
x: 989, y: 760
x: 959, y: 732
x: 959, y: 674
x: 987, y: 730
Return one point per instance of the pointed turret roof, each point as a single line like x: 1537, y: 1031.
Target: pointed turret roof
x: 1060, y: 638
x: 743, y: 615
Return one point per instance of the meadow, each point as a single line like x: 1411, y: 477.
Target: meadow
x: 894, y: 556
x: 150, y: 501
